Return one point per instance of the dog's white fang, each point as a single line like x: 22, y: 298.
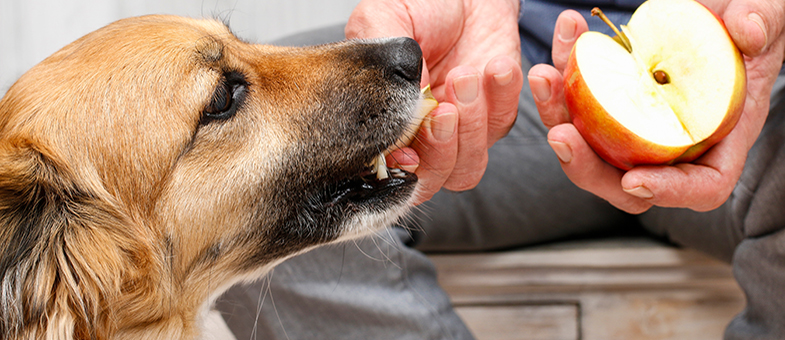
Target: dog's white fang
x: 380, y: 167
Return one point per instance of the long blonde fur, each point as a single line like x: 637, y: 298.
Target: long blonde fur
x: 125, y: 208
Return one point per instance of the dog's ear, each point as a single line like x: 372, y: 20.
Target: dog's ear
x: 62, y: 250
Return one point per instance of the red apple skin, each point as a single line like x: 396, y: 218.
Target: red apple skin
x: 621, y: 147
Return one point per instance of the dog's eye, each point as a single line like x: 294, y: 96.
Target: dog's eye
x: 226, y: 98
x: 222, y: 101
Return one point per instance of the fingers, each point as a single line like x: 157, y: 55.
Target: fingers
x: 433, y: 153
x: 451, y: 148
x: 547, y: 88
x: 503, y: 81
x: 485, y: 107
x: 579, y: 162
x: 702, y: 185
x: 755, y: 25
x: 569, y: 25
x: 589, y: 172
x: 700, y: 188
x: 546, y: 82
x: 466, y: 91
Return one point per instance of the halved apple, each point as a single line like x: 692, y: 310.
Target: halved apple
x: 669, y: 86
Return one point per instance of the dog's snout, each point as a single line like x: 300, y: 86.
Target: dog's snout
x: 404, y: 58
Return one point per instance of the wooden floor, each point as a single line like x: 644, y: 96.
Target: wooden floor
x: 599, y: 290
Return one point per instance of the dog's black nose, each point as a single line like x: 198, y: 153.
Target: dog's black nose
x: 404, y: 58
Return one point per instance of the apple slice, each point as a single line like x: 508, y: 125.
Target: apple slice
x: 669, y: 86
x: 425, y: 106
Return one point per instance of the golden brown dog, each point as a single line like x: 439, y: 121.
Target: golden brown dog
x: 151, y: 164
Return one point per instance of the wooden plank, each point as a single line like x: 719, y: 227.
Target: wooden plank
x: 522, y: 322
x: 673, y: 316
x: 622, y: 291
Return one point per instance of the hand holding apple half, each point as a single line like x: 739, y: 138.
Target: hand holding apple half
x: 426, y: 105
x: 669, y: 86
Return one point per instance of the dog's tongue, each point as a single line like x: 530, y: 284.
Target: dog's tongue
x: 426, y: 105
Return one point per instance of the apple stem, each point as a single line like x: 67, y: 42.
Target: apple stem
x: 624, y: 40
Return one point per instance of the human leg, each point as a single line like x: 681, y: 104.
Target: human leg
x: 374, y: 288
x: 759, y: 260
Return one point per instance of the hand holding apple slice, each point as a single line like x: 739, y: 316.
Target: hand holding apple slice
x: 669, y: 86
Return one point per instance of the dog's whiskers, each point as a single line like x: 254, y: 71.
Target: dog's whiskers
x: 265, y: 286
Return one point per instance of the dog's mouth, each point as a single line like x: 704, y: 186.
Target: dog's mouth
x: 367, y: 188
x: 376, y: 181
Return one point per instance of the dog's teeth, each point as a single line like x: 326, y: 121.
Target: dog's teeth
x: 381, y: 167
x: 397, y: 173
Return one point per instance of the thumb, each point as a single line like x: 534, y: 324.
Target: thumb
x: 754, y: 25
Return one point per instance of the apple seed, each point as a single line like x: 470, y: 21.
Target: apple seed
x: 661, y: 77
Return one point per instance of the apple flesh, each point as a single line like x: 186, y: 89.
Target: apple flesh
x: 426, y: 104
x: 678, y: 90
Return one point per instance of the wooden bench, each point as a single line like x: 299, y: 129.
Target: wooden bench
x: 626, y: 289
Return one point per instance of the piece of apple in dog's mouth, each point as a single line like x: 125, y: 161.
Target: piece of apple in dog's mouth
x: 426, y: 105
x: 379, y: 180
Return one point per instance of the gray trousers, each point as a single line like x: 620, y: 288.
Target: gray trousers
x: 383, y: 287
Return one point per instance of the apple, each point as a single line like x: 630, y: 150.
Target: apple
x: 669, y: 86
x: 426, y: 104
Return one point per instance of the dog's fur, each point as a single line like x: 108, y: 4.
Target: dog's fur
x: 151, y: 164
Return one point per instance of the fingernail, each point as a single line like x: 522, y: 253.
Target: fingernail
x: 466, y: 88
x: 503, y: 79
x: 562, y: 151
x: 758, y: 20
x: 443, y: 126
x: 541, y: 88
x: 567, y: 28
x: 640, y: 191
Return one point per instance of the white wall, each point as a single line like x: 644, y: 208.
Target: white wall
x: 31, y: 30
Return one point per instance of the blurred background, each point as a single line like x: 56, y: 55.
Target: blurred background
x: 31, y: 30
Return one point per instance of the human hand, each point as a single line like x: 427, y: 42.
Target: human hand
x: 756, y: 26
x: 471, y: 52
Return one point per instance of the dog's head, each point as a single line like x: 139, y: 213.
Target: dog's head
x: 150, y: 164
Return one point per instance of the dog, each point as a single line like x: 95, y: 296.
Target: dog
x: 150, y: 165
